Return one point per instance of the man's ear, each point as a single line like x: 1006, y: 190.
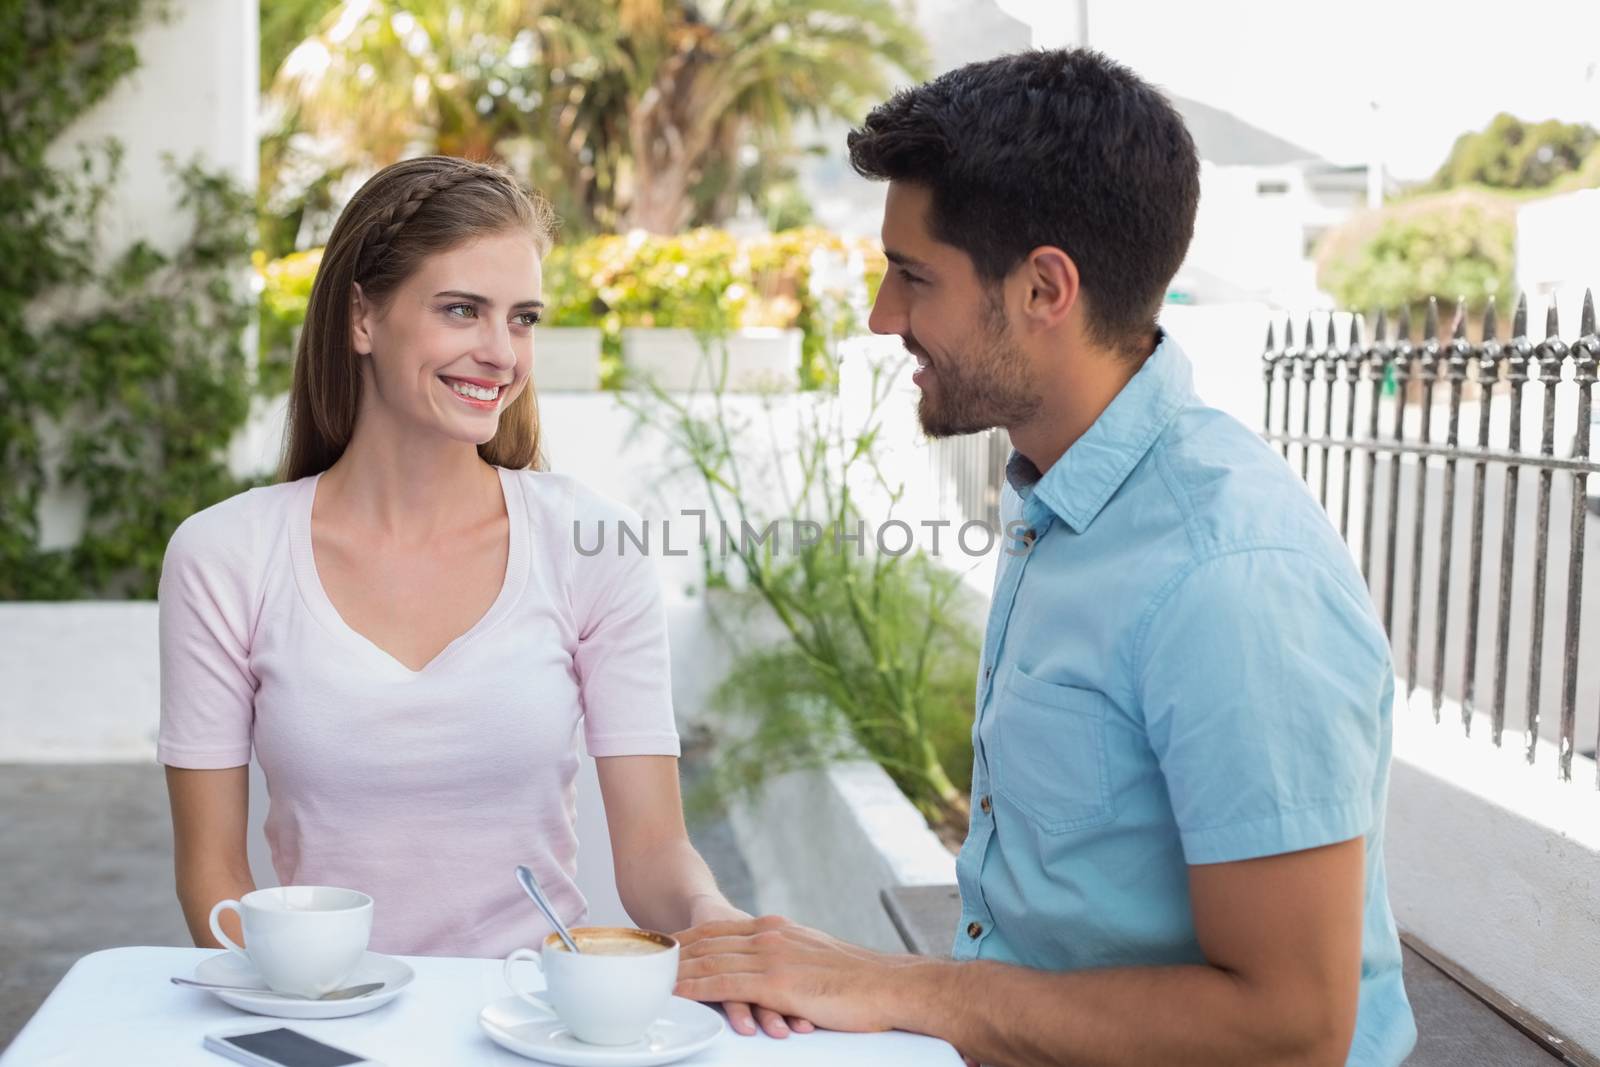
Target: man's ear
x: 360, y: 321
x: 1053, y: 286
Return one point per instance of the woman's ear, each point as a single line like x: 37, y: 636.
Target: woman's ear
x: 360, y: 321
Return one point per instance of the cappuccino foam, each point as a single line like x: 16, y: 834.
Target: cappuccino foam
x: 614, y: 944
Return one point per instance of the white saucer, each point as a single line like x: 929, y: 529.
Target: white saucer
x: 683, y: 1029
x: 228, y: 969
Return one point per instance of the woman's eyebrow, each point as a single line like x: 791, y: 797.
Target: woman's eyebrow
x: 461, y: 294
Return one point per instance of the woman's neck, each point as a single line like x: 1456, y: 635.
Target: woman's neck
x: 405, y: 485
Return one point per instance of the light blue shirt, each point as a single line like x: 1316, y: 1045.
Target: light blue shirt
x: 1185, y: 668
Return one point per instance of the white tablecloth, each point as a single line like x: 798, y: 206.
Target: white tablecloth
x: 116, y: 1007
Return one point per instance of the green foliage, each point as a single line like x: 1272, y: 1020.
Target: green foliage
x: 651, y: 115
x: 1448, y: 245
x: 285, y: 294
x: 874, y: 652
x: 705, y: 280
x: 126, y: 377
x: 284, y: 24
x: 1512, y: 154
x: 710, y: 281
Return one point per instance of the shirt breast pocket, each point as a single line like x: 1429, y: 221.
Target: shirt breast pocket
x: 1049, y: 759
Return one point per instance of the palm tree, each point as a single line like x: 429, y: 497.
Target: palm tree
x: 622, y: 111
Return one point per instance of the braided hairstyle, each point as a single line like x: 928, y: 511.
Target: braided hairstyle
x: 403, y: 214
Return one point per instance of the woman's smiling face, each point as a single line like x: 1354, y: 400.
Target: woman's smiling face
x: 452, y: 347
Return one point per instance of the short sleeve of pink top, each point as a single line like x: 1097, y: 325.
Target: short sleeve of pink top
x: 421, y: 788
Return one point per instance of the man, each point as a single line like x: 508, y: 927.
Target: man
x: 1183, y: 712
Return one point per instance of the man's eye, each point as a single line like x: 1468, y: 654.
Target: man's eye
x: 908, y: 277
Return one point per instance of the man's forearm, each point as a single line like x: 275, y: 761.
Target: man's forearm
x: 1195, y: 1015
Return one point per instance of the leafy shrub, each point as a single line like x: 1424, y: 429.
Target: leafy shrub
x: 1447, y: 245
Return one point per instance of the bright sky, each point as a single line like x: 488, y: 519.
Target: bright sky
x: 1308, y: 70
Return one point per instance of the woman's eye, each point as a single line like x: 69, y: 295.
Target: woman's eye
x: 527, y: 318
x: 461, y: 311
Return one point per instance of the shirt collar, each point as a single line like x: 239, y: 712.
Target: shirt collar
x: 1080, y: 483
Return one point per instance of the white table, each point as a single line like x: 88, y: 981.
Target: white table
x: 117, y: 1007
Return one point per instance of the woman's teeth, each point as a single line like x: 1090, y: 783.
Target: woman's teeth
x: 474, y: 392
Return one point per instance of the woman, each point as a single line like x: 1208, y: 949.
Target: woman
x: 402, y: 628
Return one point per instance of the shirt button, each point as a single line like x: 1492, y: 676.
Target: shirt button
x: 984, y: 804
x: 974, y: 930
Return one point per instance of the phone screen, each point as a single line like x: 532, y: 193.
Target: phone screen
x: 291, y: 1049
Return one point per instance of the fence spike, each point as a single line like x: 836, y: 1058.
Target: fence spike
x: 1272, y: 339
x: 1519, y: 321
x: 1491, y: 323
x: 1403, y: 326
x: 1552, y: 320
x: 1288, y: 331
x: 1587, y: 328
x: 1380, y: 329
x: 1430, y: 325
x: 1333, y: 342
x: 1357, y: 341
x: 1310, y: 337
x: 1459, y: 331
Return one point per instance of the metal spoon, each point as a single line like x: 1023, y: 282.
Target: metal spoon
x: 526, y: 880
x: 347, y: 993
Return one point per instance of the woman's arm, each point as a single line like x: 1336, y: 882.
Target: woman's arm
x: 663, y: 882
x: 210, y: 859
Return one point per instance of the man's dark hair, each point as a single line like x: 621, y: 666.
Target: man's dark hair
x: 1062, y: 148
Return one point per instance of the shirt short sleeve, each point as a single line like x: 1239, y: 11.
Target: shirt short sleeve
x: 623, y: 661
x: 207, y: 688
x: 1264, y: 681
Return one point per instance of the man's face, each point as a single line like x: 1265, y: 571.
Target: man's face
x: 972, y: 374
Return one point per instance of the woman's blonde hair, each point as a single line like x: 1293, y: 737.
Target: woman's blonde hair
x: 403, y: 214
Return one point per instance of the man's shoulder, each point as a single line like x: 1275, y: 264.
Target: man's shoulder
x: 1232, y: 492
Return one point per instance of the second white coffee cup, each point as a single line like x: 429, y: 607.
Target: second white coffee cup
x: 304, y: 939
x: 604, y: 999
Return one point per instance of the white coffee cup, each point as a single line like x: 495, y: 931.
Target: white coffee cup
x: 603, y: 998
x: 304, y: 939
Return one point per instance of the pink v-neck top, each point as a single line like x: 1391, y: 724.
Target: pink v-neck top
x: 421, y: 788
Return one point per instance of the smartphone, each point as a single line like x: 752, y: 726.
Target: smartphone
x: 279, y: 1046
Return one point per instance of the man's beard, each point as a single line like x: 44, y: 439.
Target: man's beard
x: 987, y: 386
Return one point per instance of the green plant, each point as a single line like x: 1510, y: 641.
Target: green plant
x: 645, y: 114
x: 711, y: 282
x: 874, y: 652
x: 285, y: 294
x: 125, y: 377
x: 1512, y: 154
x: 1446, y: 245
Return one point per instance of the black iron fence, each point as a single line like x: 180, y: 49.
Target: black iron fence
x: 1375, y: 425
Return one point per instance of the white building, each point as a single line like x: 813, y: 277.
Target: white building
x: 1553, y: 261
x: 1264, y: 201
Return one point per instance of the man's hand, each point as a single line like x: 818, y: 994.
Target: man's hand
x: 743, y: 1016
x: 790, y: 969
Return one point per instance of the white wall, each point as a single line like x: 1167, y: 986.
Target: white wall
x: 1496, y: 864
x: 1550, y: 259
x: 193, y: 94
x: 821, y: 845
x: 192, y: 97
